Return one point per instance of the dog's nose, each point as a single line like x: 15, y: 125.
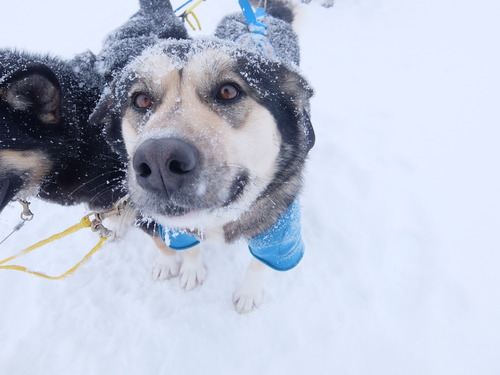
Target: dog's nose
x: 164, y: 165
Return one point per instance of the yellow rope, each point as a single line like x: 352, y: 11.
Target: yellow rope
x: 65, y: 274
x: 189, y: 12
x: 84, y: 223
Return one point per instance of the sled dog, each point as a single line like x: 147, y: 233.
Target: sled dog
x: 216, y: 133
x: 47, y: 147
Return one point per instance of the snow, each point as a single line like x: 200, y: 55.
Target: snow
x: 400, y: 216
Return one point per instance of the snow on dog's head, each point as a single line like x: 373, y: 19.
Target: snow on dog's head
x: 215, y: 135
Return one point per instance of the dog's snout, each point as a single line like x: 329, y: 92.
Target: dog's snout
x: 164, y: 165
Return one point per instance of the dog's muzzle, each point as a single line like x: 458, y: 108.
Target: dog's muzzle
x: 165, y: 165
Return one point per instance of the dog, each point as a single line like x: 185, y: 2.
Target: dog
x: 217, y: 137
x: 47, y: 146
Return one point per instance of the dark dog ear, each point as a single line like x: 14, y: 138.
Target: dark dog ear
x: 107, y: 116
x: 300, y: 91
x: 9, y: 187
x: 102, y: 114
x: 305, y: 121
x: 36, y: 90
x: 155, y: 5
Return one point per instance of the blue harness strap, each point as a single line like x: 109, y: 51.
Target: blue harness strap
x: 177, y: 240
x: 280, y: 247
x: 256, y: 37
x: 254, y: 26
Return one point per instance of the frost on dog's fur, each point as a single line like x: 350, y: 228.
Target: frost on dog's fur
x: 282, y: 38
x: 155, y: 21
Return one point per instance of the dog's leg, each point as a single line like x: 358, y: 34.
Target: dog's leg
x: 193, y: 272
x: 251, y: 292
x: 166, y: 265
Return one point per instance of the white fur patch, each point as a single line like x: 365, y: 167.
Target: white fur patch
x: 193, y: 271
x: 251, y: 292
x: 165, y: 267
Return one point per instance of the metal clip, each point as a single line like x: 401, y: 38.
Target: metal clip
x: 97, y: 225
x: 26, y: 215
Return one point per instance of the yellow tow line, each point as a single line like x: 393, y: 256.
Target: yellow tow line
x: 84, y: 223
x: 95, y: 225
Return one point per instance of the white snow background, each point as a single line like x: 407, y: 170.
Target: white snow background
x: 401, y: 216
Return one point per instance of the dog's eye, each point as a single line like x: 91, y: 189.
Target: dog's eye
x: 228, y: 91
x: 142, y: 101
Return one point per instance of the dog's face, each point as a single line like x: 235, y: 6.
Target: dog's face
x: 30, y: 102
x: 209, y: 130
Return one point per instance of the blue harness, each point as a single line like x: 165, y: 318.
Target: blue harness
x: 280, y: 247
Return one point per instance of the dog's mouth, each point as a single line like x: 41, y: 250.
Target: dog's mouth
x: 173, y: 210
x: 190, y: 200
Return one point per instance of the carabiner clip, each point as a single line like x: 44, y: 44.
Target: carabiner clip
x: 26, y: 215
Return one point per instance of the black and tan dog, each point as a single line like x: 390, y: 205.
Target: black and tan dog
x: 217, y: 136
x: 47, y: 146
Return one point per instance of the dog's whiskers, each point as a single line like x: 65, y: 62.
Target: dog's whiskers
x: 102, y: 192
x: 97, y: 177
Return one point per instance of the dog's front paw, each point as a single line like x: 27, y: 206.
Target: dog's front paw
x: 251, y: 292
x: 165, y: 267
x: 192, y: 274
x: 247, y: 298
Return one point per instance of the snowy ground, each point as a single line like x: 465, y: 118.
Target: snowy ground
x: 401, y: 216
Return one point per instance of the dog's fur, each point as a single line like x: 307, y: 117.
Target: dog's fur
x: 47, y: 147
x: 155, y: 21
x: 203, y: 161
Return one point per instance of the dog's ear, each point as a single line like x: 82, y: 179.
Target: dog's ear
x: 107, y: 115
x: 35, y: 89
x: 103, y: 112
x: 10, y: 185
x: 303, y: 93
x: 155, y: 5
x: 297, y: 89
x: 306, y: 124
